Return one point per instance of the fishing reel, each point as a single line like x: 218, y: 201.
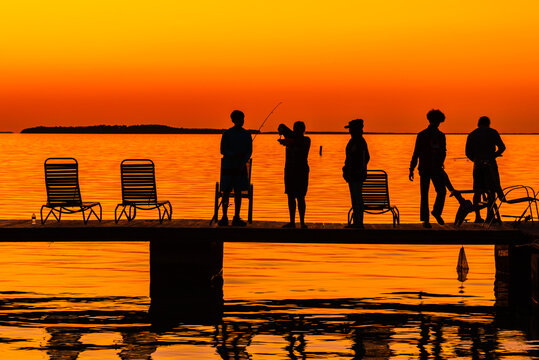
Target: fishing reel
x: 285, y: 131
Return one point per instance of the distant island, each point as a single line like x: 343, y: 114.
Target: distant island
x: 164, y: 129
x: 120, y: 129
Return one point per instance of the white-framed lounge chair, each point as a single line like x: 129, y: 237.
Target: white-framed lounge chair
x: 375, y: 194
x: 63, y: 191
x: 519, y: 194
x: 139, y: 191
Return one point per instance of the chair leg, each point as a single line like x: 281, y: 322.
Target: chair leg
x: 84, y: 218
x: 100, y: 213
x: 41, y: 213
x: 216, y: 204
x: 160, y: 217
x: 116, y: 218
x: 132, y: 216
x: 170, y: 211
x: 250, y: 212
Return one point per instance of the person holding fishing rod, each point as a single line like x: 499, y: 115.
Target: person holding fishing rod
x: 296, y: 170
x: 236, y: 148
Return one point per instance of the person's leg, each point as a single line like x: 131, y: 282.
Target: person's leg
x: 476, y: 200
x: 237, y: 221
x: 301, y: 210
x: 292, y: 208
x: 424, y: 184
x: 478, y: 187
x: 237, y: 203
x: 358, y: 218
x: 357, y: 203
x: 440, y: 187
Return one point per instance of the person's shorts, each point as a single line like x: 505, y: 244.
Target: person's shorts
x: 234, y: 179
x: 486, y: 177
x: 296, y: 181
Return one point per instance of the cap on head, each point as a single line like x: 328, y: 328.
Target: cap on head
x: 435, y: 116
x: 355, y: 124
x: 237, y: 116
x: 484, y: 121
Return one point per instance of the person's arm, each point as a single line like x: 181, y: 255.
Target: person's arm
x: 444, y: 148
x: 307, y: 146
x: 367, y: 155
x: 225, y: 147
x: 249, y: 151
x: 470, y: 148
x: 415, y: 157
x: 500, y: 145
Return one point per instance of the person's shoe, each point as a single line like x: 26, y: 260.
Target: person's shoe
x: 223, y: 221
x: 238, y: 222
x: 438, y: 218
x: 289, y: 225
x: 427, y: 225
x: 479, y: 220
x: 304, y: 226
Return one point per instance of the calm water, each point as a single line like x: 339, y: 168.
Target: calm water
x: 90, y: 301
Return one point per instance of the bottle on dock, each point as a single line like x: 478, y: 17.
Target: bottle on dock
x: 33, y: 218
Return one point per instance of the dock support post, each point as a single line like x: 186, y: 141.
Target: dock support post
x: 513, y: 282
x: 186, y: 281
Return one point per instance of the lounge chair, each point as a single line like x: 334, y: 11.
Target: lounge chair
x: 519, y: 194
x: 139, y: 191
x: 244, y: 194
x: 63, y: 191
x: 376, y: 196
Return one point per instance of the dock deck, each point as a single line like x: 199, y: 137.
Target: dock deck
x: 262, y: 231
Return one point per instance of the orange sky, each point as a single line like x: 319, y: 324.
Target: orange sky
x: 190, y: 63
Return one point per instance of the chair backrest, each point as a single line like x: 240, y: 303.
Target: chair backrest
x: 138, y: 181
x: 62, y: 182
x: 375, y: 190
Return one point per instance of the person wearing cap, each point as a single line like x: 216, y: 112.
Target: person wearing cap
x: 430, y: 152
x: 483, y: 146
x: 236, y: 148
x: 355, y: 169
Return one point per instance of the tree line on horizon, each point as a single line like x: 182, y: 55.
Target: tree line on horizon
x: 121, y: 129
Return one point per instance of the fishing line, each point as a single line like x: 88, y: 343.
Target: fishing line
x: 266, y: 119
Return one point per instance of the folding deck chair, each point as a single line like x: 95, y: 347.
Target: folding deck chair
x: 524, y: 195
x: 244, y: 194
x: 63, y: 191
x: 375, y: 194
x: 139, y: 191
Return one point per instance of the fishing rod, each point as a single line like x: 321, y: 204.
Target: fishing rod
x: 216, y: 215
x: 266, y: 119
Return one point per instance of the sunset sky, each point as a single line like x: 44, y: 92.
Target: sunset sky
x: 189, y: 63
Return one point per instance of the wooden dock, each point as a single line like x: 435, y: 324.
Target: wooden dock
x: 262, y: 231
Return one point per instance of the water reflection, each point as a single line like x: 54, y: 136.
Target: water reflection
x: 364, y: 331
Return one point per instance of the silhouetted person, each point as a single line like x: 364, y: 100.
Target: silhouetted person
x: 236, y: 147
x: 355, y: 169
x: 430, y: 151
x: 483, y: 146
x: 296, y: 170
